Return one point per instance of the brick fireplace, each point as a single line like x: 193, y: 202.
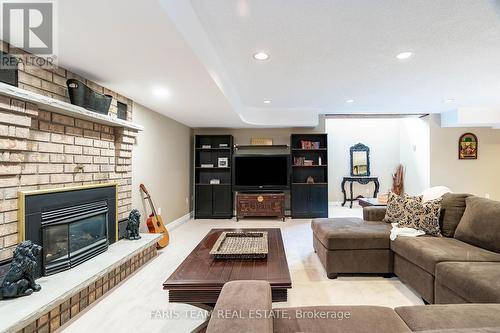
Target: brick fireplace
x: 41, y: 148
x: 50, y: 146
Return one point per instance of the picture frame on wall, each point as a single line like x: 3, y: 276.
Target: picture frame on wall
x: 467, y: 146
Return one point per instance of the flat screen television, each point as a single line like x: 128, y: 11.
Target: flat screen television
x: 261, y: 172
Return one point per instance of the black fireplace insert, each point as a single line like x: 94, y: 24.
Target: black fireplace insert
x: 72, y: 225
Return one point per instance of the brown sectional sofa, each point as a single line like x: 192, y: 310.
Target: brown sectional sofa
x: 467, y: 282
x: 245, y: 306
x: 463, y: 266
x: 348, y: 245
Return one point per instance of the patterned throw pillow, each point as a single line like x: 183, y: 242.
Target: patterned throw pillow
x: 395, y: 207
x: 411, y: 207
x: 423, y: 216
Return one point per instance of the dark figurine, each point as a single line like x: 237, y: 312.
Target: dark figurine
x: 20, y: 279
x: 134, y: 220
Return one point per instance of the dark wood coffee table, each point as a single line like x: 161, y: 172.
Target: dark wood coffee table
x: 199, y: 279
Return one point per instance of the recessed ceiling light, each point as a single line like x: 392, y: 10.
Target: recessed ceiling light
x: 449, y: 100
x: 349, y: 101
x: 267, y: 101
x: 160, y: 92
x: 261, y: 56
x: 404, y: 55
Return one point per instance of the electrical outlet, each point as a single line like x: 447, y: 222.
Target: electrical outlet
x: 159, y: 210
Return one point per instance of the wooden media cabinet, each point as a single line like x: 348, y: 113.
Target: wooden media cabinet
x: 260, y: 205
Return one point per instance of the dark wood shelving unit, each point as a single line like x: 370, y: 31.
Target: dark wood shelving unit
x: 214, y: 167
x: 309, y: 200
x: 219, y: 148
x: 310, y: 166
x: 213, y: 200
x: 301, y: 149
x: 261, y: 146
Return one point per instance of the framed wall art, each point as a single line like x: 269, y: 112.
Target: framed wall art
x: 467, y: 147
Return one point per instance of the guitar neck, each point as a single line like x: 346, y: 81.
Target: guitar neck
x: 153, y: 210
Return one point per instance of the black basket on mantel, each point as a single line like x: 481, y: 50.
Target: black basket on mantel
x: 8, y: 69
x: 81, y: 95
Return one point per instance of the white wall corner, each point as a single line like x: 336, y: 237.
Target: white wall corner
x: 180, y: 221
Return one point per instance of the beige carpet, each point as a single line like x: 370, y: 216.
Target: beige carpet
x: 140, y: 305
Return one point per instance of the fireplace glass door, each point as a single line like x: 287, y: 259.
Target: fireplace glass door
x: 85, y: 233
x: 73, y: 235
x: 56, y: 246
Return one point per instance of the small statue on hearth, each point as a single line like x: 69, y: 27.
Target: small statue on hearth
x: 20, y: 278
x: 134, y: 220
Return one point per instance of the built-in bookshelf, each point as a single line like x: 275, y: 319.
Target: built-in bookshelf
x: 309, y: 175
x: 212, y: 176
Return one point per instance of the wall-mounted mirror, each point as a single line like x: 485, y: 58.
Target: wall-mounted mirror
x: 360, y: 160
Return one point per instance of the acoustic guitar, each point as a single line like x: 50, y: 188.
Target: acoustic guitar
x: 155, y: 222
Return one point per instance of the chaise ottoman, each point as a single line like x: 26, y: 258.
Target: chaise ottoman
x: 352, y: 245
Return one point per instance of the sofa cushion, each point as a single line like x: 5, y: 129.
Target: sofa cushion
x: 339, y: 319
x: 452, y: 210
x: 476, y: 282
x: 422, y: 216
x: 347, y: 233
x: 431, y: 317
x: 374, y: 213
x: 480, y: 224
x: 396, y: 206
x: 426, y: 252
x: 246, y: 298
x: 465, y: 330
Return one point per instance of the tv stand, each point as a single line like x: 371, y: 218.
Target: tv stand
x: 260, y: 204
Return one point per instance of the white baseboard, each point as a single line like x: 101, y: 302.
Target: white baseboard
x: 180, y: 221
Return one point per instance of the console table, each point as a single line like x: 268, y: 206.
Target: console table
x: 260, y: 204
x: 360, y: 180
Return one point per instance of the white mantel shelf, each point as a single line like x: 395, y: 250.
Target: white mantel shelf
x: 16, y: 313
x: 54, y: 105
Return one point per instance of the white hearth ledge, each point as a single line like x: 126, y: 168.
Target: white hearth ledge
x: 57, y: 106
x: 16, y: 313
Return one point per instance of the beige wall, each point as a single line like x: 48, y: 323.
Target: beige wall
x: 161, y: 160
x: 473, y: 176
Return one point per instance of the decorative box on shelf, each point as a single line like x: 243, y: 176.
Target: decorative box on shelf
x: 261, y: 142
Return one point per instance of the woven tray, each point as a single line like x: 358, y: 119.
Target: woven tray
x: 240, y: 245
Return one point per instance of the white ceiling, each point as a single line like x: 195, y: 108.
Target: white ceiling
x: 322, y: 54
x: 132, y: 47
